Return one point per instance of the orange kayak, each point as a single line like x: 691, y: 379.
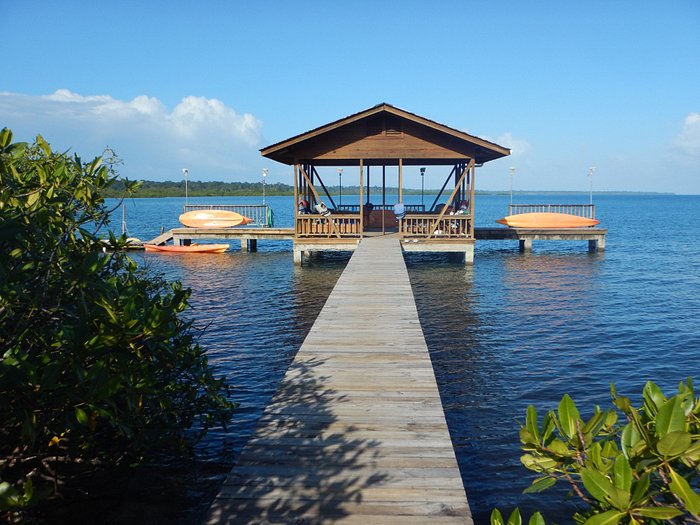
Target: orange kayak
x: 547, y: 221
x: 213, y: 219
x: 192, y: 248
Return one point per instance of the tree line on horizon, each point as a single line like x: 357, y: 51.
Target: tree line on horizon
x: 148, y: 188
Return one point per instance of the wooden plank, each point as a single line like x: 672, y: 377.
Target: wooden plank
x: 356, y: 431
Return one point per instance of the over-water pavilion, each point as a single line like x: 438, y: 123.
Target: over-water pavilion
x: 384, y: 137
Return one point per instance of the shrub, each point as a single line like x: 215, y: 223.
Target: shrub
x: 645, y: 469
x: 96, y: 362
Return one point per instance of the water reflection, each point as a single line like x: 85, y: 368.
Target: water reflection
x: 500, y: 337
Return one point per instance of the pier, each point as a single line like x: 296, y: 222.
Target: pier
x: 249, y: 238
x: 356, y: 431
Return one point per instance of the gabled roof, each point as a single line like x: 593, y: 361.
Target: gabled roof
x: 345, y: 141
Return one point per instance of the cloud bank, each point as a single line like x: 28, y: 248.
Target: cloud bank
x: 688, y: 141
x: 204, y: 135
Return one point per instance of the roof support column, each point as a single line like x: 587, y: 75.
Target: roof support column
x: 400, y: 180
x: 362, y: 210
x: 472, y: 169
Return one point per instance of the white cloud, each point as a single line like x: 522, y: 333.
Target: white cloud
x: 205, y: 135
x: 688, y: 141
x: 518, y: 147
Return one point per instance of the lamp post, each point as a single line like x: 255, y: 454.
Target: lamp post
x: 422, y: 185
x: 185, y: 173
x: 512, y: 174
x: 590, y: 183
x: 264, y: 175
x: 340, y: 186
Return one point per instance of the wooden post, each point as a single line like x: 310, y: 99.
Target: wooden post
x: 383, y: 195
x: 368, y: 195
x: 296, y: 197
x: 362, y: 209
x: 400, y: 180
x: 472, y: 165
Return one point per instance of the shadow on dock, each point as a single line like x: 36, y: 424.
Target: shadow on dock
x: 299, y: 465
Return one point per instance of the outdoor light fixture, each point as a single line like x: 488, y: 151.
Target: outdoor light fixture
x: 340, y: 186
x: 422, y: 185
x: 590, y: 180
x: 512, y: 174
x: 264, y: 175
x: 185, y: 173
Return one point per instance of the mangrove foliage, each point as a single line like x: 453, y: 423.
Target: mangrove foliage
x: 97, y: 364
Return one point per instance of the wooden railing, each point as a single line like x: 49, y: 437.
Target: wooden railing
x: 423, y: 225
x: 343, y: 225
x: 258, y: 212
x: 355, y: 208
x: 581, y: 210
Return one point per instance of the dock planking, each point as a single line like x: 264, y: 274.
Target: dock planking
x: 356, y: 431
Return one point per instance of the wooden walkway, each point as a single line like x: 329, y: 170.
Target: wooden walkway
x: 356, y: 432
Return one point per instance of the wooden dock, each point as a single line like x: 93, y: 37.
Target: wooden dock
x: 356, y: 431
x: 250, y: 236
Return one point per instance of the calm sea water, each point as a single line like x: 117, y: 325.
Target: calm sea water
x: 513, y: 330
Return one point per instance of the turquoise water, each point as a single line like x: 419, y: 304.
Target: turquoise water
x: 515, y: 329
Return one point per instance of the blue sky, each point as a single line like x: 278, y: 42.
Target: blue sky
x: 205, y: 85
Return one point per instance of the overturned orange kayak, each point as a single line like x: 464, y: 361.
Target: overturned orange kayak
x: 192, y: 248
x: 547, y: 220
x: 213, y: 219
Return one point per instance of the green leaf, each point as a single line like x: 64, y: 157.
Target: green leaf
x: 611, y: 517
x: 496, y: 518
x: 654, y: 399
x: 659, y: 513
x: 596, y: 422
x: 560, y: 448
x: 539, y: 485
x: 629, y: 438
x: 640, y: 489
x: 515, y: 518
x: 623, y: 403
x: 670, y: 417
x: 536, y: 519
x: 622, y: 473
x: 547, y: 426
x: 81, y: 416
x: 599, y: 486
x: 537, y: 463
x: 674, y: 443
x: 9, y: 496
x: 568, y: 415
x: 693, y: 452
x: 531, y: 422
x: 680, y: 487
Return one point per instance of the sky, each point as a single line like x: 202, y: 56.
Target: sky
x: 204, y: 85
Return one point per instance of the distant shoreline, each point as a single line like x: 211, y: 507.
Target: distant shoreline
x: 151, y: 189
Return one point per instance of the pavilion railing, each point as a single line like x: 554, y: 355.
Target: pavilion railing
x: 581, y: 210
x: 258, y: 212
x: 420, y: 226
x: 314, y: 225
x: 355, y: 208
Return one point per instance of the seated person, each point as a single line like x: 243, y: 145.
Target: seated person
x: 462, y: 208
x: 399, y: 210
x: 322, y: 209
x: 304, y: 208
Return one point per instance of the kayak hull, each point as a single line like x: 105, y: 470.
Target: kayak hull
x: 192, y: 248
x: 213, y: 219
x: 547, y: 221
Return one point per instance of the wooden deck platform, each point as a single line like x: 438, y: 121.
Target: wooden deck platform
x: 356, y: 431
x: 525, y: 236
x: 250, y: 236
